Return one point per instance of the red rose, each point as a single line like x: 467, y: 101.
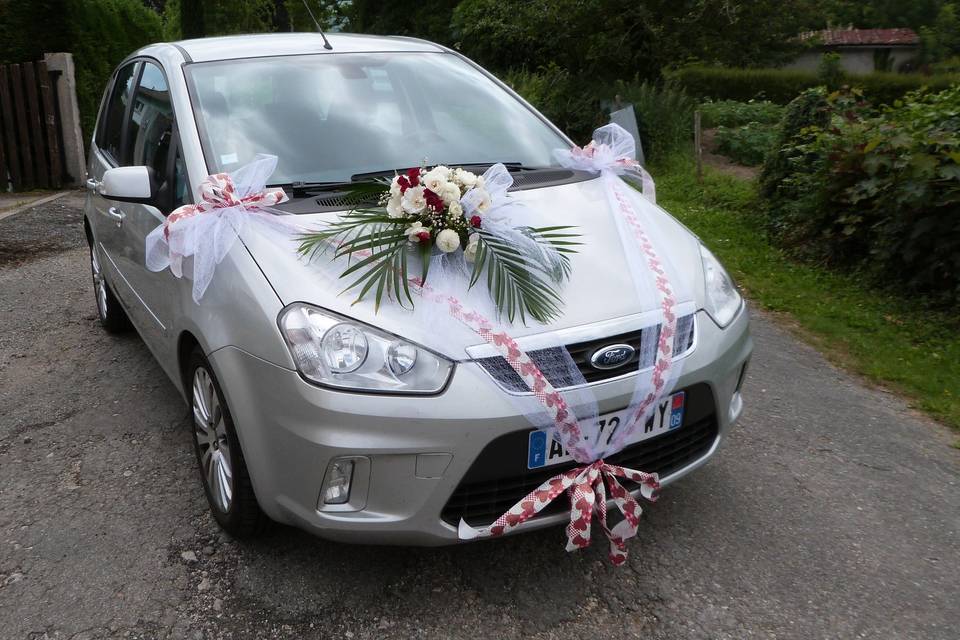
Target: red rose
x: 414, y: 177
x: 423, y: 236
x: 404, y: 183
x: 475, y: 222
x: 434, y: 201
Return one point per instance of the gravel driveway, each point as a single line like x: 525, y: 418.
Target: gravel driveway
x: 831, y: 511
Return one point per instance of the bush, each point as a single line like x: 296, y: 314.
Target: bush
x: 561, y: 98
x: 732, y: 113
x: 783, y: 85
x: 664, y: 116
x: 99, y: 34
x: 747, y: 145
x: 878, y: 190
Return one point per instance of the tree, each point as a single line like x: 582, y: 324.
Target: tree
x: 192, y: 22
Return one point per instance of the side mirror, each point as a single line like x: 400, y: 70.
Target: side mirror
x: 129, y: 184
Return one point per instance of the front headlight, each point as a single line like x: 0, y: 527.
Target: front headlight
x: 722, y: 298
x: 339, y: 352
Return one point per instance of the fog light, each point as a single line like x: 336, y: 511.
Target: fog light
x: 336, y: 484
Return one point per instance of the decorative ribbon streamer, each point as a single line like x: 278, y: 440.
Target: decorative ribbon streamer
x: 587, y: 489
x: 610, y: 154
x: 587, y: 485
x: 207, y: 230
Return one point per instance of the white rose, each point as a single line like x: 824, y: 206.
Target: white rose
x: 414, y: 200
x: 483, y: 202
x: 455, y: 208
x: 395, y: 187
x: 414, y: 230
x: 448, y: 240
x: 470, y: 253
x: 465, y: 178
x: 450, y: 193
x: 436, y: 178
x: 395, y: 206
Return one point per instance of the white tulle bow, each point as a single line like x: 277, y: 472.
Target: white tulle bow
x: 611, y: 150
x: 207, y: 230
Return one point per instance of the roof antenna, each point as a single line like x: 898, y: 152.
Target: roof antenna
x: 326, y: 43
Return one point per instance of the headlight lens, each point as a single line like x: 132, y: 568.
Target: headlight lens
x: 335, y: 351
x: 722, y: 298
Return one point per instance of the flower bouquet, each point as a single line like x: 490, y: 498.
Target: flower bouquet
x: 458, y: 216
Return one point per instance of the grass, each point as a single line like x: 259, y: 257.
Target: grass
x: 887, y: 339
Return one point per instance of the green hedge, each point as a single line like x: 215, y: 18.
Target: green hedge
x: 99, y: 34
x: 875, y: 189
x: 783, y: 85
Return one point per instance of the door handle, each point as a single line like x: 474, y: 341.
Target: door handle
x: 116, y: 214
x: 92, y: 184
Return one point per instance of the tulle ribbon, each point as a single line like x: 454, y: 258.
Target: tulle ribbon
x: 207, y: 230
x: 610, y: 154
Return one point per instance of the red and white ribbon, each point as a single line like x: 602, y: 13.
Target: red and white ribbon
x: 207, y: 230
x: 218, y: 191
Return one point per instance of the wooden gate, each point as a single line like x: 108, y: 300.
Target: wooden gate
x: 31, y: 155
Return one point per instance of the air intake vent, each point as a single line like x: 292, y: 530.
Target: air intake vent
x: 541, y: 178
x: 343, y: 200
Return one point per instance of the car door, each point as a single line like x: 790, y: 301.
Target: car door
x: 106, y: 153
x: 151, y: 140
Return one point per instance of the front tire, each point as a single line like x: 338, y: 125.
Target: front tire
x: 223, y: 470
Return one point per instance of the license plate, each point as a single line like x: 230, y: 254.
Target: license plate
x: 544, y: 452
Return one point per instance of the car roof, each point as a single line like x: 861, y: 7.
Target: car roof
x: 285, y: 44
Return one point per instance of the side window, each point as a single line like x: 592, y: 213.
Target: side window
x: 150, y: 134
x: 181, y: 188
x: 116, y: 108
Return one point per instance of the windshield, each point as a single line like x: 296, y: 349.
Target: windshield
x: 329, y: 117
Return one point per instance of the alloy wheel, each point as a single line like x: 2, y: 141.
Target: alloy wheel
x: 211, y: 433
x: 99, y: 284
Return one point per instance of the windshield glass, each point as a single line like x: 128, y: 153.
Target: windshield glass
x: 328, y: 117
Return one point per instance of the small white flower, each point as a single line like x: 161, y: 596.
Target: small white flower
x: 414, y: 230
x: 436, y: 178
x: 470, y: 253
x: 448, y: 240
x: 465, y: 178
x: 450, y: 193
x: 455, y: 208
x: 395, y: 187
x: 480, y: 182
x: 395, y: 206
x: 414, y: 200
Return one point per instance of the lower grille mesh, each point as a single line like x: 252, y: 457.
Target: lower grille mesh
x: 480, y: 503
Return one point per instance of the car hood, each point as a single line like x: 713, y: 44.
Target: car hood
x: 599, y: 289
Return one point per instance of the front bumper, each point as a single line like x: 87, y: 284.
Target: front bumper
x: 413, y: 452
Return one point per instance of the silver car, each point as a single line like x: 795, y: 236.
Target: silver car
x: 369, y: 456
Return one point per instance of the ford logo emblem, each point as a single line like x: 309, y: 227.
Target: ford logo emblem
x: 611, y: 357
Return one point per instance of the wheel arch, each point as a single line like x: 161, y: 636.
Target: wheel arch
x: 186, y: 343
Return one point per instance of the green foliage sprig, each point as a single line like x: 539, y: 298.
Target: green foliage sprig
x: 378, y: 250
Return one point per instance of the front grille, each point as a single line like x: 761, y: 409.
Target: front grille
x: 553, y: 364
x: 489, y: 489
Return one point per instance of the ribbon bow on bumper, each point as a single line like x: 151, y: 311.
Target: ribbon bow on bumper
x: 587, y: 488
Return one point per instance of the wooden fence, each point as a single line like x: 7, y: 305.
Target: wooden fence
x: 31, y: 153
